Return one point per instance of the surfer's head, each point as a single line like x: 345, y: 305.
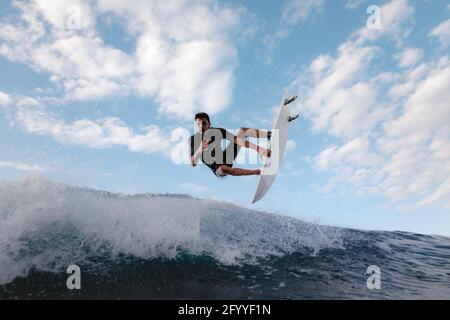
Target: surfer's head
x: 202, y: 121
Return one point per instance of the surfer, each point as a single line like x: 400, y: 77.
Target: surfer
x: 206, y: 144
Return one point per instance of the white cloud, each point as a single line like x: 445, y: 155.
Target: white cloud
x: 294, y: 12
x: 82, y: 89
x: 20, y: 166
x: 427, y: 108
x: 184, y: 55
x: 408, y: 57
x: 396, y: 17
x: 440, y: 195
x: 335, y: 99
x: 442, y: 32
x: 193, y: 41
x: 353, y: 4
x: 392, y: 129
x: 33, y: 117
x: 396, y: 23
x: 180, y: 150
x: 5, y: 99
x: 102, y: 133
x: 354, y: 152
x: 290, y: 145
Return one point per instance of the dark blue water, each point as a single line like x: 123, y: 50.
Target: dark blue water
x: 178, y: 247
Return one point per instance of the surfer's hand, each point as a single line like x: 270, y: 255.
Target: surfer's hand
x: 204, y: 145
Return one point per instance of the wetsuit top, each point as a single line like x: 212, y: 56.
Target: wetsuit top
x: 214, y: 155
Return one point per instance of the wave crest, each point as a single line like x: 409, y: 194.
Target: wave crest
x: 48, y: 226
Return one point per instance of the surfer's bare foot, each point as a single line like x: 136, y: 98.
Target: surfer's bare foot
x: 289, y: 100
x: 265, y: 152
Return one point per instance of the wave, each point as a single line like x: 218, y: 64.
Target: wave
x: 48, y: 226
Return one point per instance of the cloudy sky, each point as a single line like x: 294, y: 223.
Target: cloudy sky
x: 101, y: 93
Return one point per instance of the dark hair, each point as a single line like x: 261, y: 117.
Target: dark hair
x: 202, y: 115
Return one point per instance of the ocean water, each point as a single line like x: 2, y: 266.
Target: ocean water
x: 178, y: 247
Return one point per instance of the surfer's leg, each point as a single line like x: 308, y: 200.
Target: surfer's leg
x: 224, y: 170
x: 232, y: 150
x: 252, y: 132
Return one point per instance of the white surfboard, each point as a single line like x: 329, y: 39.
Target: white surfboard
x: 278, y: 147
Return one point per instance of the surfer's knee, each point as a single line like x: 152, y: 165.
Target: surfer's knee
x: 223, y: 170
x: 241, y: 131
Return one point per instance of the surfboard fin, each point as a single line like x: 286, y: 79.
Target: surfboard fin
x: 292, y: 118
x: 289, y: 100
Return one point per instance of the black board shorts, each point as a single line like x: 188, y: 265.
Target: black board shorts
x: 232, y: 151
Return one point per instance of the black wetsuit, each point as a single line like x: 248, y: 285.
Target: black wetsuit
x: 214, y: 155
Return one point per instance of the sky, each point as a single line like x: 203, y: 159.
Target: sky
x: 102, y: 93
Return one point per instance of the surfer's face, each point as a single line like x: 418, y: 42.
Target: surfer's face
x: 202, y: 125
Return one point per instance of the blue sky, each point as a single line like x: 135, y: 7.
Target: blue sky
x: 102, y: 94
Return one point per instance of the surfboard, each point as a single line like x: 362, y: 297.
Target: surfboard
x: 278, y: 147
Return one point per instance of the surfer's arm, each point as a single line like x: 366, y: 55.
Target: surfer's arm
x: 198, y: 152
x: 194, y: 159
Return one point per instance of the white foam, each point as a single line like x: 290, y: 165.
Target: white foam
x: 50, y: 226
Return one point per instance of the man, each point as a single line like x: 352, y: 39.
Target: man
x: 206, y: 144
